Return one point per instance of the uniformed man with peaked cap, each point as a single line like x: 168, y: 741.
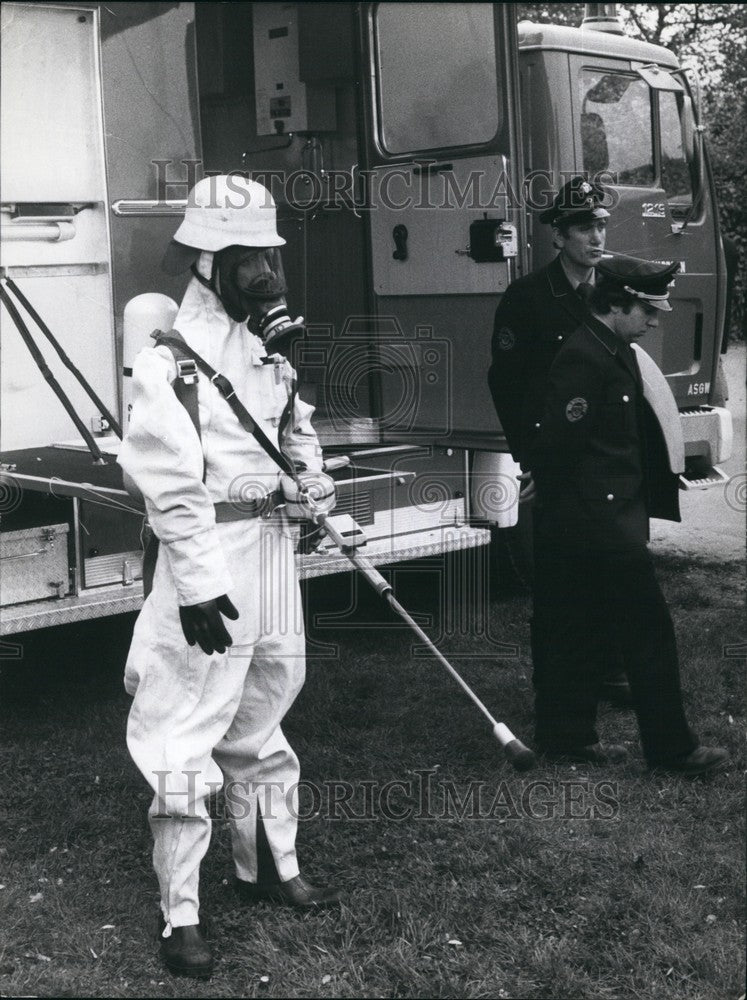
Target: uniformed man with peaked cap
x: 538, y: 311
x: 535, y: 316
x: 593, y: 460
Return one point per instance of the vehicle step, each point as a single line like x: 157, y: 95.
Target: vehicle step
x: 703, y: 481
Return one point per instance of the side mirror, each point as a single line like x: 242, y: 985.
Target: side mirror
x: 689, y: 130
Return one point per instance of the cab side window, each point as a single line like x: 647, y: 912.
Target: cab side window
x: 616, y: 126
x: 676, y: 171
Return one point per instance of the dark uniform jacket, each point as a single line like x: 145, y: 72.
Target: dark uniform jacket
x: 535, y: 316
x: 598, y: 458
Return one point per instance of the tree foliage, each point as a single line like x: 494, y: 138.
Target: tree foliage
x: 710, y: 40
x: 725, y: 114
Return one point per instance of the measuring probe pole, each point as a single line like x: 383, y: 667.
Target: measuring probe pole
x: 520, y: 757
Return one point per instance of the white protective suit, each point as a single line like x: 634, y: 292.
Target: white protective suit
x: 198, y: 719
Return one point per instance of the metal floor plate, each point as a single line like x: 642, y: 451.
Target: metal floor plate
x: 115, y: 600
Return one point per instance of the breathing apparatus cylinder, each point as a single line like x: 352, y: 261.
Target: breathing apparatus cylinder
x: 142, y: 315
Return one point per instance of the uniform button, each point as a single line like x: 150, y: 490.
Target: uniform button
x: 536, y: 425
x: 560, y: 336
x: 610, y: 496
x: 626, y: 399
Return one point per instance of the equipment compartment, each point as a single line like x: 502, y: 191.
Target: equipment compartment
x: 34, y: 564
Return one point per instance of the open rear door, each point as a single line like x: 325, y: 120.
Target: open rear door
x: 55, y: 240
x: 439, y: 139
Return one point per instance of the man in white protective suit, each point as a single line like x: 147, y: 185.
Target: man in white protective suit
x: 205, y: 715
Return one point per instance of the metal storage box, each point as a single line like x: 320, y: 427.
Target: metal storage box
x: 33, y: 564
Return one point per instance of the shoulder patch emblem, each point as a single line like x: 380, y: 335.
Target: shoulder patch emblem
x: 506, y: 339
x: 576, y: 409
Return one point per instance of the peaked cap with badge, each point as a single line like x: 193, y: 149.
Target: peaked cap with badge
x: 640, y: 278
x: 578, y: 201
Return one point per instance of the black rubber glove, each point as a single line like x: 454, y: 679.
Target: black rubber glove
x: 202, y: 624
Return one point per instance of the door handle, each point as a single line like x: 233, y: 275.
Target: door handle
x: 400, y: 241
x: 149, y: 209
x: 49, y: 232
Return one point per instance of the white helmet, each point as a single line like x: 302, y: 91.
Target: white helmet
x: 223, y: 211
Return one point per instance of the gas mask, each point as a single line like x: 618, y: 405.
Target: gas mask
x: 250, y: 283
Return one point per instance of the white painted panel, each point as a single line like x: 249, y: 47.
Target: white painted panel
x: 52, y: 152
x: 51, y: 134
x: 77, y: 309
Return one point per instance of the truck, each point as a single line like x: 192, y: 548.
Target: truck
x: 409, y: 147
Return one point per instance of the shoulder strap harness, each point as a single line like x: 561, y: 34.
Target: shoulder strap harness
x: 185, y: 387
x: 187, y: 364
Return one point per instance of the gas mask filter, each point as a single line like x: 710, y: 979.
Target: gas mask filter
x: 250, y: 283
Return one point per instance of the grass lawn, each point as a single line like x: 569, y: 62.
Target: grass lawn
x: 463, y: 879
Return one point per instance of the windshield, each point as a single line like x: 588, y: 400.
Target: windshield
x: 636, y: 134
x: 616, y: 127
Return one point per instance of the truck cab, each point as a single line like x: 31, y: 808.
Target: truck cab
x: 621, y: 110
